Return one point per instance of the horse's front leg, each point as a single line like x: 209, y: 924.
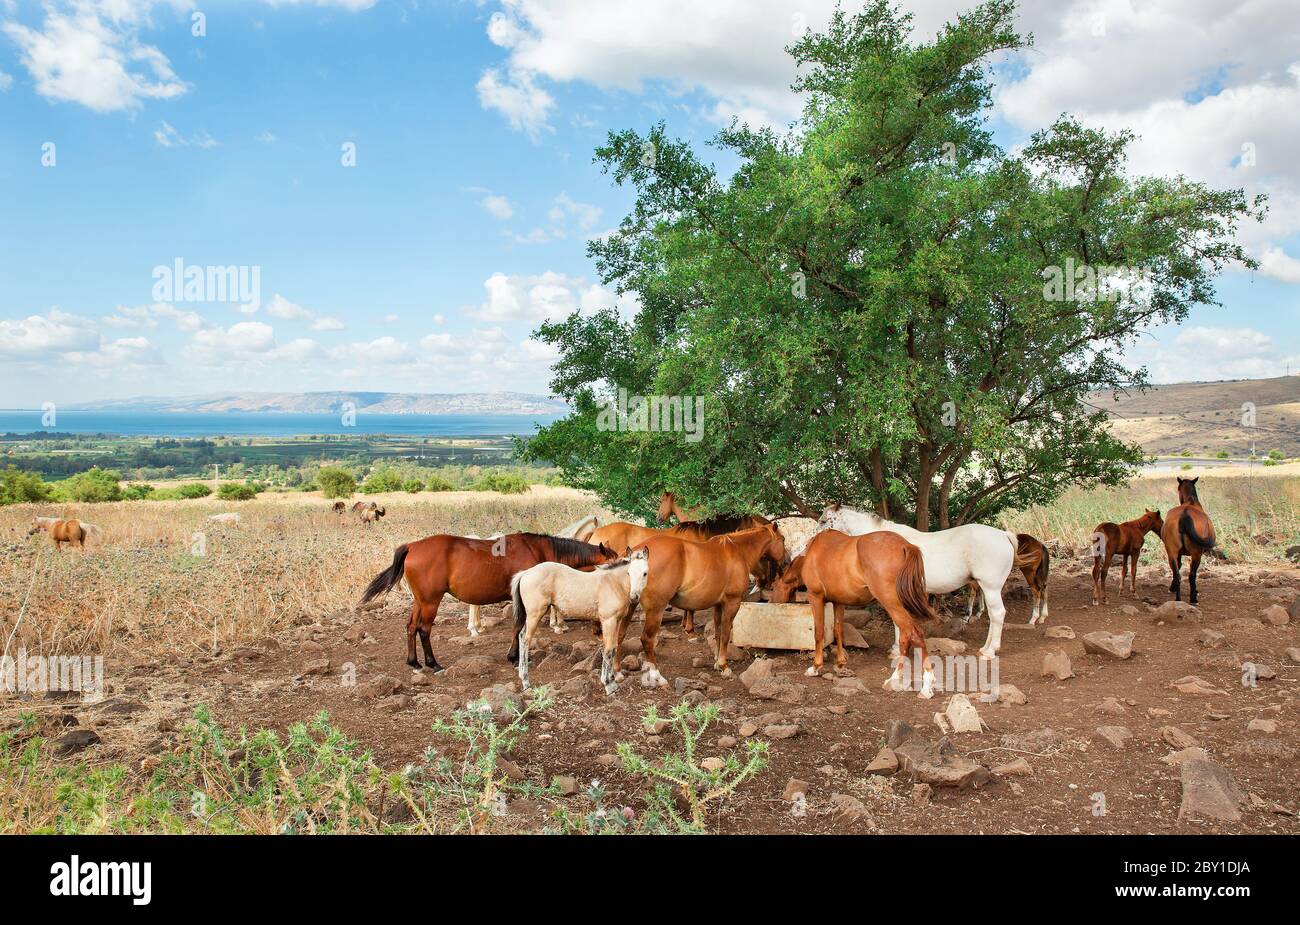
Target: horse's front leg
x: 475, y: 620
x: 654, y: 615
x: 609, y: 658
x: 722, y: 615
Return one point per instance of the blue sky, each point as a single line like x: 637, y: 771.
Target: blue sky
x: 464, y: 221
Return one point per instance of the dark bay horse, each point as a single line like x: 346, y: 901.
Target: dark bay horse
x: 1187, y: 531
x: 1124, y: 540
x: 474, y: 571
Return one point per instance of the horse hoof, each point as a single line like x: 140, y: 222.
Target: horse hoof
x: 475, y: 632
x: 727, y: 673
x: 415, y: 664
x: 619, y: 676
x: 559, y: 630
x: 611, y: 689
x: 812, y: 671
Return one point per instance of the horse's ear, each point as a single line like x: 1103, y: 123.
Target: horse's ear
x: 1195, y: 480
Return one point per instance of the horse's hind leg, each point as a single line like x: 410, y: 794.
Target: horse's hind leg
x: 650, y: 676
x: 723, y: 615
x: 525, y: 638
x: 1175, y: 566
x: 997, y: 613
x: 688, y: 626
x: 840, y: 660
x: 1195, y: 567
x: 427, y: 614
x: 475, y: 621
x: 609, y: 628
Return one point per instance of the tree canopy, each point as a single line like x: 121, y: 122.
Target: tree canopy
x: 880, y: 307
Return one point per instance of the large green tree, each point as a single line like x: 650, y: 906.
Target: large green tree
x: 881, y: 307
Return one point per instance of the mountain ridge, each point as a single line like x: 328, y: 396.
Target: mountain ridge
x: 335, y: 401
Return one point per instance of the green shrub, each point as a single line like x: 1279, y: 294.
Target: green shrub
x: 137, y: 492
x: 93, y: 485
x: 507, y: 483
x: 236, y: 491
x: 336, y: 482
x: 438, y: 483
x: 414, y: 486
x: 194, y: 490
x: 1222, y: 454
x: 382, y: 480
x: 18, y: 486
x: 1277, y: 455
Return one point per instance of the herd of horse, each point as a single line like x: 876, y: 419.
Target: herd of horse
x: 605, y: 573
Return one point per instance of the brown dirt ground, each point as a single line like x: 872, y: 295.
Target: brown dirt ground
x: 263, y: 686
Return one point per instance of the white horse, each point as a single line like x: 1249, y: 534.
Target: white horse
x: 953, y: 558
x: 578, y: 530
x: 609, y: 595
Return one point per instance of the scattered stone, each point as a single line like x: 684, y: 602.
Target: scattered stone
x: 1176, y: 611
x: 566, y: 784
x: 1292, y: 653
x: 1010, y: 694
x: 941, y: 646
x: 1276, y: 615
x: 838, y: 709
x: 1033, y: 741
x: 727, y: 742
x: 921, y: 794
x: 939, y: 764
x: 317, y: 666
x: 1110, y: 705
x: 1058, y: 632
x: 1017, y: 767
x: 1186, y: 754
x: 713, y: 764
x: 74, y: 741
x: 380, y: 686
x: 961, y: 713
x: 1211, y: 639
x: 501, y: 699
x: 885, y: 762
x: 747, y: 729
x: 631, y: 663
x: 607, y: 760
x: 794, y: 788
x: 1129, y: 610
x: 578, y: 688
x: 1191, y: 684
x: 1177, y: 738
x: 778, y: 689
x: 473, y: 666
x: 848, y: 807
x: 1266, y: 726
x: 898, y: 731
x: 1157, y: 712
x: 847, y: 687
x: 1116, y: 645
x: 655, y: 727
x: 1209, y: 792
x: 1057, y: 664
x: 1116, y: 736
x: 781, y: 731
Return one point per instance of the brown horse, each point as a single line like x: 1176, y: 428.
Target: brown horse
x: 339, y: 507
x: 1187, y: 531
x: 699, y: 575
x: 788, y: 582
x: 1124, y: 540
x: 624, y: 536
x: 1034, y: 562
x: 669, y: 508
x: 847, y: 570
x: 474, y: 571
x: 72, y: 532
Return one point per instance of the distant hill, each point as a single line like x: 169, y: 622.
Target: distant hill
x: 1206, y: 417
x: 334, y: 402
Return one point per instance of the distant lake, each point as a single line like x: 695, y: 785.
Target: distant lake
x: 272, y: 424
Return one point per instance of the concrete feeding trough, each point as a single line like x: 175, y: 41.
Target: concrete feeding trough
x: 786, y: 626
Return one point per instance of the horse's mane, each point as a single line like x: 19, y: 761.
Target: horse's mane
x: 564, y: 546
x: 617, y: 563
x: 1191, y: 491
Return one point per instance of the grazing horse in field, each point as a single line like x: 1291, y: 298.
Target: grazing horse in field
x: 698, y: 575
x: 1124, y: 540
x: 1187, y: 531
x: 607, y: 596
x: 953, y: 559
x: 1034, y: 562
x: 474, y: 571
x: 368, y: 512
x: 339, y: 507
x: 72, y: 532
x: 854, y: 570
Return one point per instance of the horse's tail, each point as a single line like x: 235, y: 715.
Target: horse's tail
x: 1044, y: 566
x: 390, y: 577
x: 521, y: 615
x: 1188, y: 529
x: 1030, y: 551
x: 910, y: 585
x: 91, y: 530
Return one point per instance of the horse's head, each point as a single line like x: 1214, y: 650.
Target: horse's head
x: 36, y: 527
x: 638, y: 572
x: 1151, y: 521
x: 1187, y: 490
x: 665, y: 507
x: 830, y: 516
x: 784, y: 587
x: 775, y: 548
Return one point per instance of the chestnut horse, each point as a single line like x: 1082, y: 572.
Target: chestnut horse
x: 854, y: 570
x: 698, y: 575
x: 1034, y: 562
x: 1124, y: 540
x: 623, y: 536
x: 1188, y: 531
x: 73, y: 532
x: 474, y: 571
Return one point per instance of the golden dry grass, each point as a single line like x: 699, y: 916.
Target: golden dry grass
x: 165, y: 577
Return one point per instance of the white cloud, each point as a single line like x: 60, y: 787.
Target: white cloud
x: 243, y: 341
x: 548, y: 296
x: 167, y: 136
x: 146, y: 316
x: 497, y: 206
x: 1207, y: 354
x: 566, y: 207
x: 280, y: 307
x: 327, y: 324
x: 6, y: 81
x: 90, y: 53
x: 42, y: 337
x: 516, y: 96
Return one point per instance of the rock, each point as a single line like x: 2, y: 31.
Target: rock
x: 713, y: 764
x: 921, y: 794
x: 848, y: 807
x: 1017, y: 767
x: 575, y: 688
x: 1242, y: 624
x: 778, y: 626
x: 898, y: 731
x: 631, y: 663
x: 853, y: 638
x: 1176, y: 611
x: 566, y: 784
x: 941, y: 646
x: 396, y: 703
x: 794, y: 788
x: 939, y: 764
x: 655, y: 727
x: 885, y: 762
x: 1276, y: 616
x: 1116, y: 645
x: 1033, y: 741
x: 760, y: 669
x: 1209, y: 792
x: 1191, y: 684
x: 1177, y: 738
x: 1058, y: 632
x: 1057, y: 665
x: 1110, y: 705
x: 316, y: 666
x: 1211, y: 639
x: 379, y: 686
x: 1266, y: 726
x: 473, y: 666
x: 747, y: 729
x: 1116, y: 736
x: 1129, y: 610
x: 777, y: 689
x: 1186, y: 754
x: 781, y: 731
x: 607, y: 760
x: 1294, y: 609
x: 1010, y: 694
x: 838, y: 709
x: 1292, y: 654
x: 74, y: 741
x: 1293, y: 553
x: 962, y: 715
x: 501, y: 700
x: 848, y: 687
